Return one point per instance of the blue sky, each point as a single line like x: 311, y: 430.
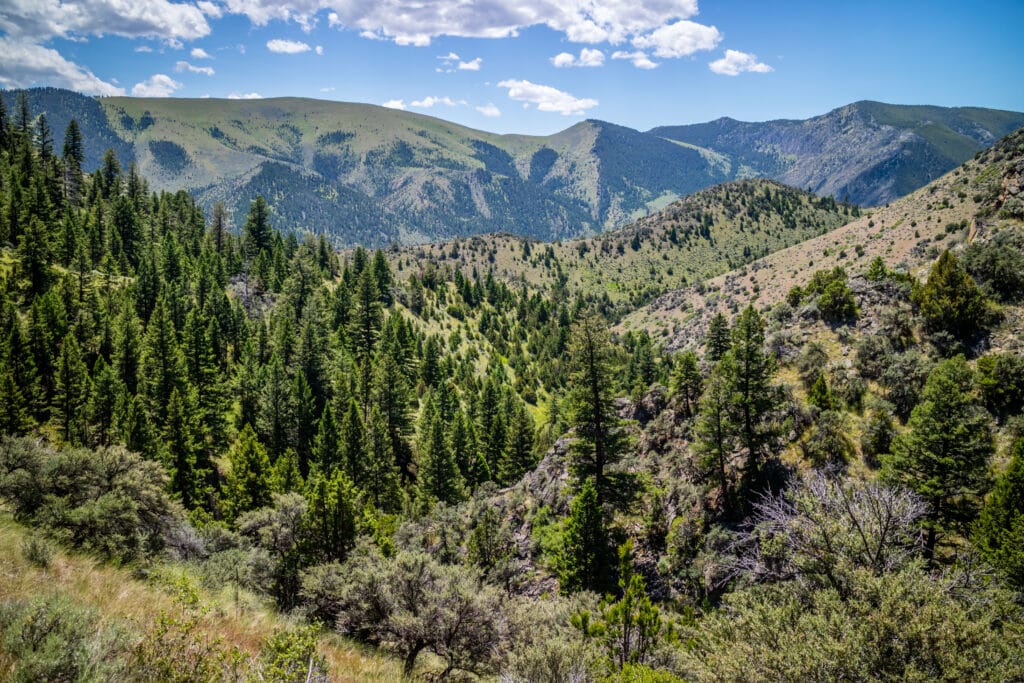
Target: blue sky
x: 530, y: 66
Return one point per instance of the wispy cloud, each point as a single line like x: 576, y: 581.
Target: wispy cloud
x: 547, y: 98
x: 185, y: 66
x: 587, y: 57
x: 640, y: 59
x: 157, y: 85
x: 489, y: 110
x: 735, y: 62
x: 287, y: 47
x: 245, y: 96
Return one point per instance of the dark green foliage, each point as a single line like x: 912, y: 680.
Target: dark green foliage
x: 997, y: 265
x: 585, y: 561
x: 999, y: 529
x: 600, y: 440
x: 687, y: 382
x: 830, y: 291
x: 944, y: 457
x: 439, y: 476
x: 1001, y: 382
x: 951, y: 303
x: 717, y: 341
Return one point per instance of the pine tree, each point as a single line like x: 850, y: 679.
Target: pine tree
x: 519, y: 458
x: 715, y: 430
x: 276, y: 421
x: 286, y: 476
x: 718, y: 341
x: 72, y: 391
x: 327, y: 451
x: 179, y: 437
x: 472, y: 465
x: 353, y: 445
x: 15, y: 417
x: 381, y: 487
x: 687, y: 382
x: 247, y: 486
x: 944, y: 457
x: 754, y: 395
x: 73, y: 158
x: 390, y: 394
x: 999, y: 530
x: 366, y: 320
x: 257, y: 230
x: 585, y: 559
x: 106, y: 389
x: 492, y: 430
x: 330, y: 519
x: 600, y: 439
x: 439, y: 477
x: 36, y: 251
x: 161, y: 370
x: 951, y: 302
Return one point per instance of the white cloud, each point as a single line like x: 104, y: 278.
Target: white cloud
x: 25, y: 64
x: 319, y: 49
x: 157, y: 85
x: 210, y: 9
x: 39, y: 20
x: 414, y: 22
x: 547, y: 98
x: 143, y: 48
x: 640, y: 59
x: 394, y: 104
x: 450, y: 57
x: 185, y: 66
x: 588, y: 57
x: 489, y: 110
x: 328, y: 89
x: 472, y: 65
x: 287, y: 47
x: 428, y: 102
x: 245, y: 96
x: 680, y: 39
x: 735, y: 62
x: 200, y: 53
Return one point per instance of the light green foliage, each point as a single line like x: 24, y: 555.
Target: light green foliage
x: 895, y: 626
x: 951, y: 303
x: 247, y: 485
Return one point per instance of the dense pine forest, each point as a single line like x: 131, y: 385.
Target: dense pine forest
x: 405, y: 467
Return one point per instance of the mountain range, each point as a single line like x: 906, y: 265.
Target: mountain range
x: 370, y: 175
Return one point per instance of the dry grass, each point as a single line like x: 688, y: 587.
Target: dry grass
x: 118, y: 597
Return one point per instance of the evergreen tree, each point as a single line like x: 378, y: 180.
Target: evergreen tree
x: 286, y: 476
x: 600, y: 439
x: 493, y: 429
x: 276, y: 422
x: 366, y: 319
x: 161, y: 370
x: 390, y: 394
x: 381, y: 487
x: 73, y: 158
x: 106, y: 389
x: 247, y: 486
x: 950, y: 301
x: 439, y: 477
x: 585, y: 559
x: 353, y: 445
x: 35, y: 249
x: 330, y: 520
x: 257, y: 232
x: 718, y: 341
x: 15, y: 417
x: 72, y: 391
x: 327, y: 451
x: 754, y: 396
x: 715, y: 431
x: 687, y: 382
x: 519, y: 458
x: 179, y: 437
x: 999, y: 530
x: 944, y: 457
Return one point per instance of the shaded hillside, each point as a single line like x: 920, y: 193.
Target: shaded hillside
x: 870, y: 151
x: 963, y: 206
x: 692, y: 239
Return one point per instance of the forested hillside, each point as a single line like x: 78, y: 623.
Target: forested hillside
x: 368, y: 466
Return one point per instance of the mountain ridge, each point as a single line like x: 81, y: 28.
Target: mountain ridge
x: 365, y: 174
